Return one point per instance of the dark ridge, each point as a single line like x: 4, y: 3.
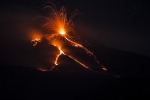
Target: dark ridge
x: 72, y: 81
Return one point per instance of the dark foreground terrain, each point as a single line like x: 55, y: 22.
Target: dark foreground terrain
x: 127, y: 78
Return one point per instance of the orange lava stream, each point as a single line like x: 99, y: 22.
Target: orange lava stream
x: 81, y: 46
x: 60, y: 53
x: 79, y: 62
x: 35, y: 42
x: 57, y: 57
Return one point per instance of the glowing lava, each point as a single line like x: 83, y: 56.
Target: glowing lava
x: 61, y: 27
x: 36, y: 37
x: 61, y: 52
x: 57, y: 57
x: 62, y: 32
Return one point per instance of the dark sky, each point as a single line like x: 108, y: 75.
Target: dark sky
x: 122, y: 24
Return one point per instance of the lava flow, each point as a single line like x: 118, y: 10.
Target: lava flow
x: 62, y: 27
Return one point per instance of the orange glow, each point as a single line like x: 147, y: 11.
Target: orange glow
x: 62, y: 32
x: 59, y: 23
x: 36, y: 37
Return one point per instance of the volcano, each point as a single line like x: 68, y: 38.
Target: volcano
x: 127, y: 76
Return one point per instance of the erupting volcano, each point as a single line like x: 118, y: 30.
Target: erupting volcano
x: 61, y: 36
